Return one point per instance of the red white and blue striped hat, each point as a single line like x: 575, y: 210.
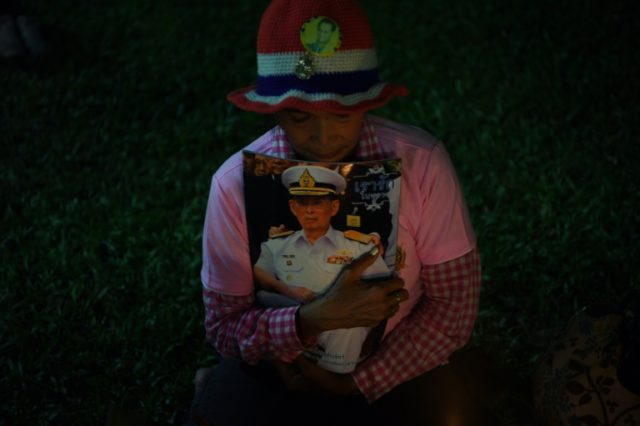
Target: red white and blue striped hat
x: 295, y: 69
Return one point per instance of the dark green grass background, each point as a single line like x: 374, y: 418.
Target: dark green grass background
x: 108, y: 145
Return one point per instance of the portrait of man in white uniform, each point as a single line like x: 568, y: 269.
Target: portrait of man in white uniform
x: 296, y: 267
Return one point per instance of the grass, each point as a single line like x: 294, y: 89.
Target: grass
x: 108, y: 144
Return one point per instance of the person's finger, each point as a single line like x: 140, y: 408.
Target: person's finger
x: 358, y: 266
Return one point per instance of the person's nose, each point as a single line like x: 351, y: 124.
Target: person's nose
x: 322, y: 131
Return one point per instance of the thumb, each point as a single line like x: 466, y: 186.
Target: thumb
x: 359, y: 265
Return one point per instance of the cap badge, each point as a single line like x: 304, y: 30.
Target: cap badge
x: 304, y: 67
x: 306, y: 180
x: 320, y: 36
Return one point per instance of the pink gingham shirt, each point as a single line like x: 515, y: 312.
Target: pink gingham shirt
x: 441, y: 265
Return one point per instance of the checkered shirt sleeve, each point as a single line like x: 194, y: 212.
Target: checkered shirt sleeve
x: 279, y: 144
x: 440, y: 323
x: 235, y: 326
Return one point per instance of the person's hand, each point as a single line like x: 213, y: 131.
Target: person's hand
x: 305, y: 376
x: 352, y: 302
x: 301, y: 293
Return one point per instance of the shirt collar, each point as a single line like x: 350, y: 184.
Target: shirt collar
x: 368, y: 148
x: 330, y: 235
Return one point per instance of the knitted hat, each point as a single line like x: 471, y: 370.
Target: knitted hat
x: 315, y: 55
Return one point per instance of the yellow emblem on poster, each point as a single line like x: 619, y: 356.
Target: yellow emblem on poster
x: 353, y: 221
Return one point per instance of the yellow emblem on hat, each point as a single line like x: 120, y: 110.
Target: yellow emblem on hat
x: 306, y: 180
x: 313, y: 181
x: 321, y: 36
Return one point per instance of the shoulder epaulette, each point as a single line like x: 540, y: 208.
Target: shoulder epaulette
x: 358, y: 236
x: 282, y: 235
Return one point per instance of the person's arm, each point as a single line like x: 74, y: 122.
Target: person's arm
x: 442, y: 319
x: 270, y: 283
x: 235, y: 326
x: 439, y: 324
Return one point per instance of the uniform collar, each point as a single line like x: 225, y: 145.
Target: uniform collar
x: 368, y: 148
x: 331, y: 235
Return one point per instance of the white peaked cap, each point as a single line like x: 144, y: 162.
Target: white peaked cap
x: 313, y: 181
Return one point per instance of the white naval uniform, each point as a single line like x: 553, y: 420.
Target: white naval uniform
x: 296, y: 262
